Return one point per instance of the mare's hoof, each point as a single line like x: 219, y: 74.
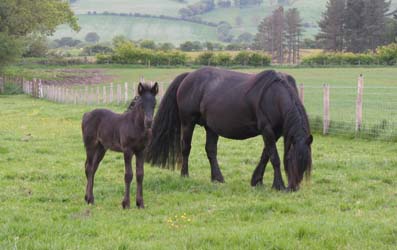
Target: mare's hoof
x: 291, y: 189
x: 125, y: 204
x: 89, y: 200
x: 218, y: 179
x: 278, y: 186
x: 256, y: 183
x: 140, y: 205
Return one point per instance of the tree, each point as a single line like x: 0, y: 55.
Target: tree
x: 331, y: 35
x: 92, y: 37
x: 148, y: 44
x: 20, y: 18
x: 293, y: 34
x: 224, y: 32
x: 36, y: 46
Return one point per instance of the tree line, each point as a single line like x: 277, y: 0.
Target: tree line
x: 356, y: 25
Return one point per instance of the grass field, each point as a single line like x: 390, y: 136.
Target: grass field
x: 350, y: 202
x: 137, y: 28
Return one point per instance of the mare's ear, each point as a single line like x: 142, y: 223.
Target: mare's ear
x: 155, y: 88
x: 140, y: 89
x: 309, y: 140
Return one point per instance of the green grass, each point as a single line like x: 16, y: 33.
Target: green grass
x: 137, y: 28
x: 350, y: 202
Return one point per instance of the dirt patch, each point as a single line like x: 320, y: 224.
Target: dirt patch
x: 77, y: 76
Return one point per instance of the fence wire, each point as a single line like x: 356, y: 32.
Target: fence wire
x: 379, y: 105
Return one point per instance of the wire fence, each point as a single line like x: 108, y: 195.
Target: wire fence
x: 363, y: 112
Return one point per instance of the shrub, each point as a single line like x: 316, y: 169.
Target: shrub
x: 206, y: 58
x: 223, y: 59
x: 387, y: 54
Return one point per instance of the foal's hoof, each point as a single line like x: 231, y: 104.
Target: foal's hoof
x: 89, y: 200
x: 125, y: 204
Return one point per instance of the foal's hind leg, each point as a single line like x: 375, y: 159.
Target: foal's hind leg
x: 211, y: 149
x: 94, y: 157
x: 186, y: 141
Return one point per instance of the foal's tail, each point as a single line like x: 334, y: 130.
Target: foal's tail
x: 164, y: 148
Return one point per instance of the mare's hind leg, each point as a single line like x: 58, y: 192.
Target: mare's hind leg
x: 211, y: 149
x: 270, y: 147
x: 127, y: 179
x: 186, y: 141
x: 94, y: 157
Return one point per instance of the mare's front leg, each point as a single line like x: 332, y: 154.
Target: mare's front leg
x: 127, y: 178
x: 140, y: 158
x: 257, y: 176
x: 211, y: 149
x: 270, y: 145
x: 186, y: 141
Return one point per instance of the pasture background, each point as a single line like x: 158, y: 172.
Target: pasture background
x: 107, y: 27
x: 350, y: 202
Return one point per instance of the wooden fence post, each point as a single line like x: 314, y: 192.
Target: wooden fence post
x: 86, y: 95
x: 359, y: 103
x: 126, y: 92
x: 97, y: 95
x: 326, y: 118
x: 111, y: 93
x: 302, y: 93
x: 2, y: 84
x: 118, y: 94
x: 104, y: 95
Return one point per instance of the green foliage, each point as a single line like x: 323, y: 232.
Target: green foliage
x: 96, y: 49
x: 223, y: 59
x: 21, y: 18
x: 388, y: 54
x: 206, y: 58
x: 92, y: 37
x: 340, y: 59
x: 128, y: 53
x: 36, y: 46
x: 148, y: 44
x: 10, y: 49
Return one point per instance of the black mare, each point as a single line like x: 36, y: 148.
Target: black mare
x: 237, y: 106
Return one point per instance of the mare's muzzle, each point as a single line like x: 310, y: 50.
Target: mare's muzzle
x: 148, y: 122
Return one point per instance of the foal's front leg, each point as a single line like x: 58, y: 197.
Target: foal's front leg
x: 127, y: 179
x: 140, y: 158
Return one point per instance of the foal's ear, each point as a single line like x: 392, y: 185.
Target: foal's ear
x: 140, y: 89
x: 155, y: 88
x: 309, y: 140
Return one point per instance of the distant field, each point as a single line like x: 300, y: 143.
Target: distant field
x: 136, y: 28
x: 153, y: 7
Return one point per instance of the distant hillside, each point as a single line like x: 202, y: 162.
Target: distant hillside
x: 137, y: 28
x: 242, y: 20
